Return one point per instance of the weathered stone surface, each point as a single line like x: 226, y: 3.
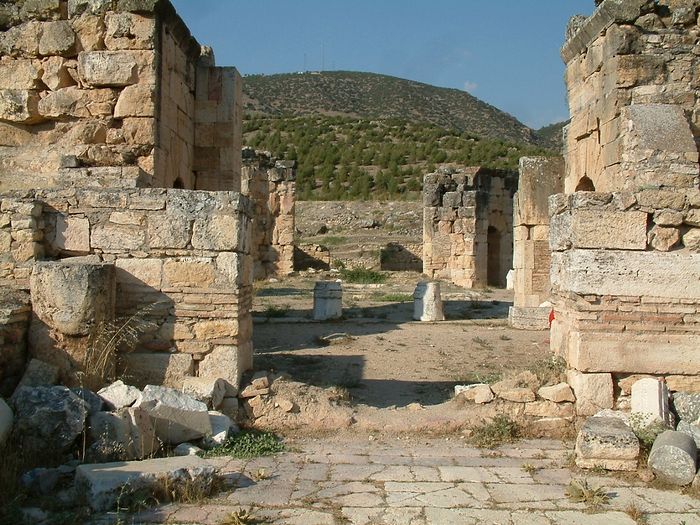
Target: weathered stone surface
x: 427, y: 303
x: 19, y: 105
x: 72, y: 235
x: 136, y: 101
x: 22, y: 40
x: 260, y: 379
x: 48, y: 417
x: 107, y: 68
x: 6, y: 421
x: 229, y: 407
x: 75, y: 102
x: 691, y: 240
x: 161, y: 369
x: 692, y: 429
x: 169, y: 231
x: 143, y: 441
x: 177, y: 416
x: 609, y: 229
x: 520, y: 388
x: 328, y: 300
x: 39, y: 373
x: 110, y: 436
x: 93, y: 402
x: 593, y: 392
x: 673, y: 458
x: 187, y: 449
x: 119, y: 395
x: 218, y: 232
x: 129, y: 31
x: 558, y: 393
x: 95, y: 7
x: 687, y: 405
x: 73, y: 298
x: 650, y: 402
x: 89, y: 30
x: 662, y: 127
x: 19, y: 74
x: 480, y: 393
x: 220, y: 425
x: 549, y: 409
x: 117, y: 237
x: 209, y: 391
x: 57, y: 38
x: 102, y: 484
x: 663, y: 238
x: 607, y: 442
x: 192, y: 272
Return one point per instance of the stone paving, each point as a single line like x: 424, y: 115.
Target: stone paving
x: 421, y: 482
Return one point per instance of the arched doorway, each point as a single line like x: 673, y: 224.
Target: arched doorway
x: 493, y: 259
x: 585, y: 184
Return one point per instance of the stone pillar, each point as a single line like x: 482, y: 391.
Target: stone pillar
x: 328, y: 300
x: 72, y: 303
x: 650, y: 399
x: 427, y: 304
x: 540, y: 177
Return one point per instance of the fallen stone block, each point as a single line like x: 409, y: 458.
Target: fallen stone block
x: 187, y: 449
x: 38, y: 373
x: 229, y: 407
x: 328, y: 300
x: 559, y: 393
x: 251, y: 391
x: 650, y: 405
x: 673, y: 458
x: 143, y: 441
x: 687, y: 405
x: 6, y: 420
x: 593, y: 392
x: 43, y: 481
x: 211, y: 392
x: 427, y: 302
x: 692, y: 429
x: 93, y: 402
x: 104, y: 484
x: 119, y: 395
x: 479, y: 393
x: 607, y: 442
x: 177, y: 416
x: 260, y: 380
x: 220, y: 426
x: 48, y: 417
x: 520, y: 389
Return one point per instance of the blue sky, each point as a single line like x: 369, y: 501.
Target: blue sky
x: 505, y: 52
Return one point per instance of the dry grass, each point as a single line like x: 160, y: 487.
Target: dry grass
x: 580, y: 491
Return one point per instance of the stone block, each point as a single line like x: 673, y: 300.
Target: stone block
x: 167, y: 230
x: 687, y: 405
x: 107, y: 68
x: 19, y: 105
x: 558, y: 393
x: 539, y: 178
x: 593, y: 392
x: 220, y: 428
x: 607, y: 442
x: 20, y: 74
x: 217, y: 232
x: 22, y: 40
x: 480, y: 393
x: 209, y: 391
x: 71, y: 235
x: 193, y: 272
x: 112, y: 237
x: 650, y: 399
x: 140, y: 272
x: 427, y: 303
x: 161, y: 369
x: 328, y: 300
x: 129, y: 31
x: 529, y: 318
x: 38, y: 373
x: 89, y: 31
x: 119, y: 395
x: 136, y: 101
x: 177, y: 416
x: 227, y: 363
x: 103, y: 484
x: 57, y: 38
x: 609, y: 229
x: 75, y: 102
x: 143, y: 441
x: 691, y: 240
x: 658, y: 127
x: 73, y: 298
x: 663, y: 238
x: 673, y: 458
x: 95, y: 7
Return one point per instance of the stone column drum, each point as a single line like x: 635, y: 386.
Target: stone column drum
x: 328, y: 300
x: 427, y: 304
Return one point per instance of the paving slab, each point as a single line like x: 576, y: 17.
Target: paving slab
x: 328, y: 481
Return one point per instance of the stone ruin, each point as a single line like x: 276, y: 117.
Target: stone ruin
x: 625, y: 232
x: 468, y: 225
x: 120, y: 188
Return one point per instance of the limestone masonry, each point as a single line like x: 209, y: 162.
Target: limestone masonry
x: 625, y: 234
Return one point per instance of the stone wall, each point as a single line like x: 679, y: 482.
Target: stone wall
x: 468, y: 225
x: 270, y: 185
x: 182, y: 255
x: 15, y: 312
x: 102, y: 94
x: 626, y: 257
x: 539, y: 178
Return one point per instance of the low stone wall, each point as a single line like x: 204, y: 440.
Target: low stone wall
x: 182, y: 260
x: 626, y: 286
x: 15, y: 312
x: 270, y: 185
x: 401, y: 257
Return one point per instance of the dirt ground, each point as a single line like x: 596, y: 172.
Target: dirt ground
x: 377, y: 352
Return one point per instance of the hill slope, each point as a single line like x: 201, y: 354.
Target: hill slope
x: 373, y: 96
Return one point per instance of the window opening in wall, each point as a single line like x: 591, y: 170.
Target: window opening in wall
x: 585, y: 184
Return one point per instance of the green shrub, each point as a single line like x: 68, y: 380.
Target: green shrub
x: 497, y: 432
x: 248, y: 444
x: 361, y: 275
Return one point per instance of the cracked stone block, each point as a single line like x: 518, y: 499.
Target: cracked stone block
x: 607, y: 442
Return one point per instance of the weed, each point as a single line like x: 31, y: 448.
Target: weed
x: 248, y: 444
x: 580, y: 491
x: 276, y: 311
x: 362, y: 275
x: 261, y: 474
x: 636, y: 514
x: 241, y: 517
x: 483, y: 343
x: 502, y: 429
x: 338, y: 264
x: 549, y: 370
x: 529, y: 468
x: 598, y: 470
x: 332, y: 240
x: 394, y: 297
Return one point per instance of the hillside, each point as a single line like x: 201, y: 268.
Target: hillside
x: 373, y: 96
x: 344, y: 158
